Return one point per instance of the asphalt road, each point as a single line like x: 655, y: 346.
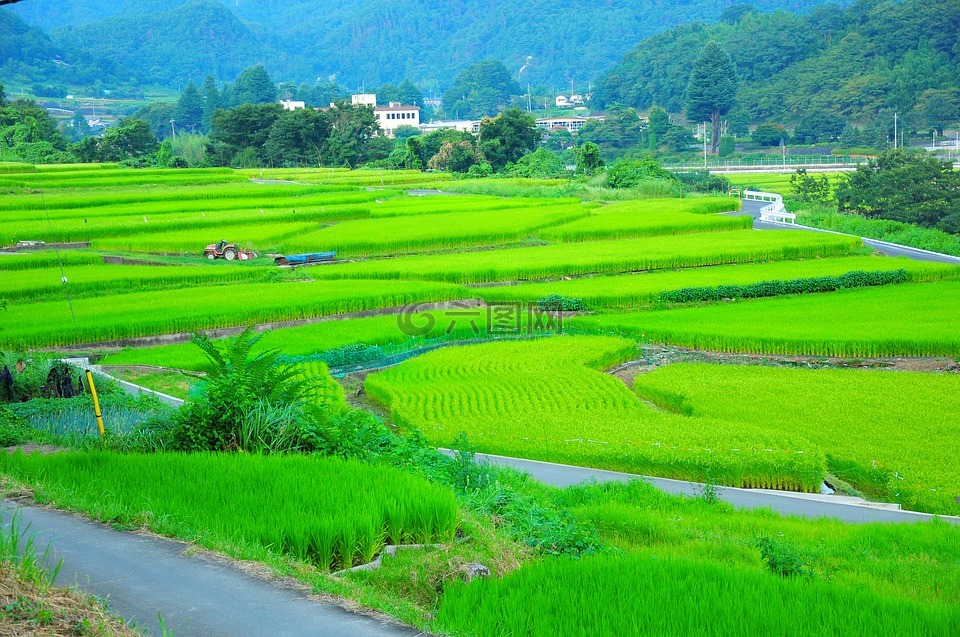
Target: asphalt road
x: 752, y: 208
x: 795, y: 504
x: 195, y: 595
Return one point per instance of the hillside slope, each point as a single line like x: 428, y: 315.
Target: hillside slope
x: 855, y: 63
x: 375, y: 41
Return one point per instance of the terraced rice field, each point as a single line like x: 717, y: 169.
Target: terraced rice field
x: 903, y: 320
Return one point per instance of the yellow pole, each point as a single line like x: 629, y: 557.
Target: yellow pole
x: 96, y: 404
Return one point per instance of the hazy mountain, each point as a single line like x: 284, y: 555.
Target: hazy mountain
x: 551, y: 42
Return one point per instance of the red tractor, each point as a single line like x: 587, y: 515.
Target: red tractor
x: 228, y: 251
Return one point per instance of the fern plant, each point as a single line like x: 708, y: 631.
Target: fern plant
x: 238, y: 384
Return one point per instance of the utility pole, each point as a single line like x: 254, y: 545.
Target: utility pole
x: 704, y: 145
x: 173, y: 128
x: 895, y: 138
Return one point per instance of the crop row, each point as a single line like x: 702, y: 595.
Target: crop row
x: 325, y: 511
x: 549, y: 400
x: 652, y: 217
x: 10, y: 261
x: 183, y: 310
x: 627, y: 255
x: 904, y: 320
x: 619, y: 595
x: 647, y: 287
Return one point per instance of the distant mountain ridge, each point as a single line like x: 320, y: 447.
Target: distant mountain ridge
x: 855, y: 63
x: 369, y: 42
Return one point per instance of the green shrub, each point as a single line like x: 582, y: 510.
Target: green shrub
x: 628, y: 173
x: 782, y: 559
x: 13, y: 428
x: 855, y: 279
x: 558, y: 303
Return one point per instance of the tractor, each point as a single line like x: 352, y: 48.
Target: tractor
x: 228, y: 251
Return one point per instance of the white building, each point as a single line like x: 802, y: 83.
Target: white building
x: 462, y: 125
x: 396, y: 115
x: 364, y: 99
x: 292, y: 105
x: 571, y: 123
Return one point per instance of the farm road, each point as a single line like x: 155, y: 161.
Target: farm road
x: 196, y: 595
x: 785, y: 503
x: 752, y: 208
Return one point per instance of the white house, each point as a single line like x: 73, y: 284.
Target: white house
x: 292, y: 105
x: 395, y: 115
x: 571, y: 123
x: 462, y: 125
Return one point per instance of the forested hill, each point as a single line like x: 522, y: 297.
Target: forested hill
x: 28, y: 55
x: 171, y: 47
x: 855, y: 63
x: 373, y: 41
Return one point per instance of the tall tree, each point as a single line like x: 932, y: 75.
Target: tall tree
x: 940, y: 107
x: 507, y: 137
x: 211, y: 102
x: 189, y: 113
x: 712, y: 89
x: 254, y: 86
x: 80, y: 126
x: 480, y: 89
x: 130, y: 139
x: 3, y: 94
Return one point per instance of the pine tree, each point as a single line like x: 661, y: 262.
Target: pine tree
x: 189, y: 113
x: 712, y: 89
x: 254, y: 86
x: 211, y: 102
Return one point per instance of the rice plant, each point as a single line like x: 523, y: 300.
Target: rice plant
x: 630, y: 595
x: 331, y: 512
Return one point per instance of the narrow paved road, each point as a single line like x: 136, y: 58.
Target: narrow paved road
x: 752, y: 208
x: 786, y: 503
x: 195, y: 595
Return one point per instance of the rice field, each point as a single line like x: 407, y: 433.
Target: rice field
x: 628, y: 255
x: 652, y: 217
x: 902, y: 320
x: 631, y: 595
x: 619, y: 291
x: 139, y: 314
x: 901, y: 451
x: 326, y: 511
x: 549, y: 399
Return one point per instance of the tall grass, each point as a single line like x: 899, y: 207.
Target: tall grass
x: 883, y: 229
x: 333, y: 513
x: 626, y: 595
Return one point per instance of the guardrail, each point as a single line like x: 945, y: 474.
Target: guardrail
x: 790, y: 161
x: 775, y: 211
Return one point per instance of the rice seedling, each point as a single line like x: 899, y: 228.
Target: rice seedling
x: 331, y: 512
x: 184, y: 310
x: 122, y: 176
x: 269, y: 237
x: 903, y: 320
x: 19, y: 261
x: 630, y: 595
x: 651, y: 217
x: 549, y: 400
x: 648, y: 287
x: 885, y: 446
x: 627, y: 255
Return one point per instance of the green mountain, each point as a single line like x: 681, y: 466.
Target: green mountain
x: 854, y: 63
x: 29, y: 56
x: 550, y: 43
